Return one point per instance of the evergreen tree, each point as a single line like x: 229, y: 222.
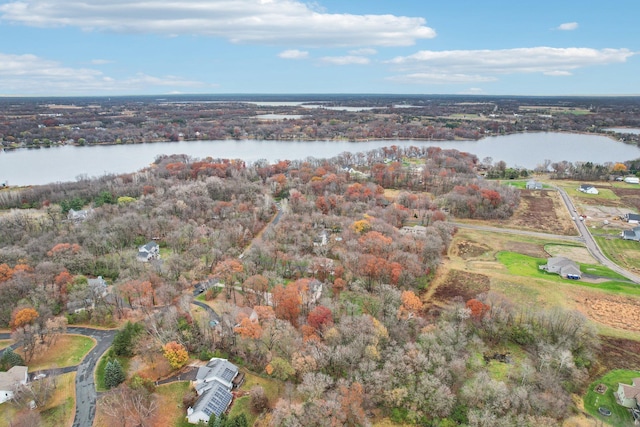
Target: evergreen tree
x: 10, y: 359
x: 113, y: 374
x: 124, y: 339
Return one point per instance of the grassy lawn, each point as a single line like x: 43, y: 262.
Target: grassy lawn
x: 241, y: 406
x: 523, y: 265
x: 620, y: 416
x: 60, y: 410
x: 170, y: 409
x: 5, y: 343
x: 626, y: 253
x: 272, y: 389
x: 102, y: 364
x: 68, y: 350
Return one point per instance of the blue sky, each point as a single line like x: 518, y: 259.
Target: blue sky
x: 492, y: 47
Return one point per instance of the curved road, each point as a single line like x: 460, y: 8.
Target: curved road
x: 86, y: 395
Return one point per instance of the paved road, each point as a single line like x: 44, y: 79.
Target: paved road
x: 212, y: 314
x: 86, y: 395
x: 591, y: 244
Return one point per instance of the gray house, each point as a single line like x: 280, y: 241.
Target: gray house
x: 632, y: 218
x: 148, y: 252
x: 533, y: 185
x: 562, y: 266
x: 214, y: 383
x: 633, y: 234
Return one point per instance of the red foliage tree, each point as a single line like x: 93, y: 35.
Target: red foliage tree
x: 320, y: 317
x: 478, y: 308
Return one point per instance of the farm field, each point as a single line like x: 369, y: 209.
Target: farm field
x: 507, y: 264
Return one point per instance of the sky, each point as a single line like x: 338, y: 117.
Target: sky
x: 149, y: 47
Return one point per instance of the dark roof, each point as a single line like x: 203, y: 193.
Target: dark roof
x: 149, y: 246
x: 216, y: 400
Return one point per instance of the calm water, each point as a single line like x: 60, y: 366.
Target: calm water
x: 67, y: 163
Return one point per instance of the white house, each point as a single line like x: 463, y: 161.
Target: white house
x: 588, y: 189
x: 9, y: 380
x: 632, y: 180
x: 148, y: 252
x: 629, y: 395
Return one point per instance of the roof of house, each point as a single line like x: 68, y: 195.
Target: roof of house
x: 13, y: 376
x: 586, y: 186
x: 633, y: 390
x: 220, y: 370
x: 563, y: 265
x: 216, y: 400
x: 149, y: 246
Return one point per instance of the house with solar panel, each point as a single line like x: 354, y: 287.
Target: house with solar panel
x: 214, y: 383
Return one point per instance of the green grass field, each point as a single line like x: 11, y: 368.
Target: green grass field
x: 5, y: 343
x: 625, y: 253
x: 523, y: 265
x: 620, y: 416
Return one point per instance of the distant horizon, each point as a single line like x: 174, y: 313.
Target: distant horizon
x: 321, y: 94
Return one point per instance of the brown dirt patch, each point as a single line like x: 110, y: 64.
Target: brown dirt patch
x: 619, y: 353
x: 629, y: 196
x: 611, y: 310
x: 542, y: 211
x: 524, y: 248
x: 462, y: 284
x: 466, y: 249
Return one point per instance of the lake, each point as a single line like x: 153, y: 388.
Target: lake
x: 67, y: 163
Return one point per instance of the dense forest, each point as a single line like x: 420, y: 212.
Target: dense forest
x: 331, y: 255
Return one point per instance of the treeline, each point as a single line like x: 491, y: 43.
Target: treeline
x: 34, y: 123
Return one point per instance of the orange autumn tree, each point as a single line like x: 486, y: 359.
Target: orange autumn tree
x: 478, y: 309
x: 287, y: 300
x: 411, y: 305
x: 248, y: 328
x: 176, y: 354
x: 6, y: 272
x: 23, y: 317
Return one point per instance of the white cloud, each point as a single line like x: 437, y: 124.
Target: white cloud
x: 346, y: 60
x: 101, y: 61
x: 270, y: 22
x: 30, y: 74
x: 557, y: 73
x: 293, y: 54
x: 568, y: 26
x: 489, y: 63
x: 363, y: 52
